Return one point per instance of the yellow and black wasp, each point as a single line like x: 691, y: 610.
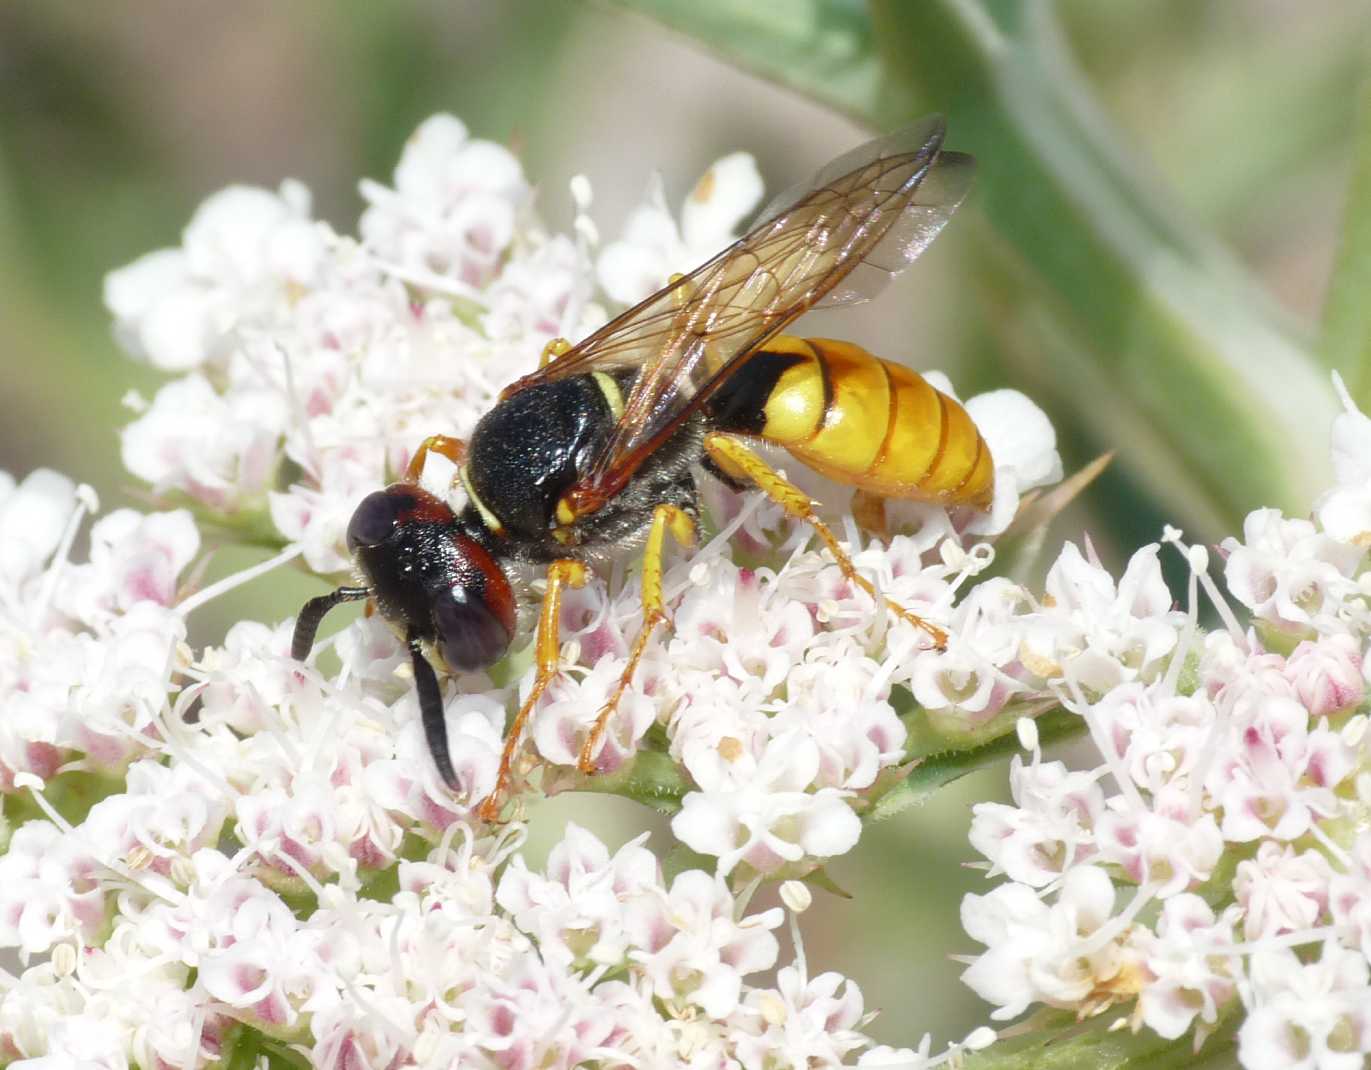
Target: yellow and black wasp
x: 603, y: 445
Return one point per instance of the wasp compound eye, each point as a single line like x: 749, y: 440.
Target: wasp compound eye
x: 376, y: 517
x: 469, y: 635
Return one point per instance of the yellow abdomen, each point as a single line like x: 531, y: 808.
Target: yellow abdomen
x: 875, y: 425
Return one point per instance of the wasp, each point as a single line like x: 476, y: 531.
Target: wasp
x: 603, y: 445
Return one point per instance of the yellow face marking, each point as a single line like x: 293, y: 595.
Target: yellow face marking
x: 488, y: 518
x: 564, y: 514
x: 614, y: 397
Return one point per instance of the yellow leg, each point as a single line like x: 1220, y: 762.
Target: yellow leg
x: 548, y: 651
x: 664, y: 518
x: 736, y: 459
x: 454, y: 449
x: 554, y: 349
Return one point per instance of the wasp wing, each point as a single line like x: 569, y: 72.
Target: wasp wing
x: 836, y: 241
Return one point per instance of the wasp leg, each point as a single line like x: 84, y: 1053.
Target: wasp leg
x: 735, y: 458
x: 454, y: 449
x: 552, y: 351
x: 548, y: 650
x: 682, y: 527
x: 868, y: 509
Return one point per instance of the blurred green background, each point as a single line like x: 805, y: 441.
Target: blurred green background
x: 1148, y: 253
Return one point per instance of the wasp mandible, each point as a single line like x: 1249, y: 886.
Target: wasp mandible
x: 603, y: 445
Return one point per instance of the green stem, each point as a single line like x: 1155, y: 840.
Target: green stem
x: 649, y: 777
x: 1347, y: 314
x: 954, y: 759
x: 1063, y: 1044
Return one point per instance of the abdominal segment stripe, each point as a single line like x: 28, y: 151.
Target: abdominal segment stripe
x: 944, y: 425
x: 873, y: 424
x: 891, y: 419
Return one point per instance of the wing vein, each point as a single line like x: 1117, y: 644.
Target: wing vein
x: 877, y: 208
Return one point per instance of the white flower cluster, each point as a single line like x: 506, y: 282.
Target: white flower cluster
x: 273, y: 852
x: 86, y: 651
x: 1214, y: 870
x: 340, y: 357
x: 267, y: 849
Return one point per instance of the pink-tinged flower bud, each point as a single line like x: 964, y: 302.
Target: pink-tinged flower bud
x: 1281, y: 890
x: 1327, y: 674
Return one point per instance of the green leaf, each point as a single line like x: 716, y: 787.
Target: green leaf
x: 282, y: 1057
x: 243, y: 1045
x: 649, y: 777
x: 1059, y: 1043
x: 1347, y: 316
x: 71, y: 794
x: 940, y: 769
x: 1168, y: 331
x: 823, y: 48
x: 821, y: 878
x: 240, y: 1048
x: 680, y: 858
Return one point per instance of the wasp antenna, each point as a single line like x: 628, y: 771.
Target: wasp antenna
x: 313, y: 611
x: 431, y: 712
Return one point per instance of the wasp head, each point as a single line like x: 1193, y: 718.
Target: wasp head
x: 432, y: 582
x: 435, y: 585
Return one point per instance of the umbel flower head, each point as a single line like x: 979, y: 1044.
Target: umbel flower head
x: 266, y: 846
x: 1210, y: 873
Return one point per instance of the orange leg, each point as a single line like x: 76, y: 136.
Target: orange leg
x: 868, y: 510
x: 454, y: 449
x: 740, y: 462
x: 548, y: 651
x: 664, y: 518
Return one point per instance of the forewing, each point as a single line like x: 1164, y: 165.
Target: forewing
x: 944, y: 187
x: 873, y: 210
